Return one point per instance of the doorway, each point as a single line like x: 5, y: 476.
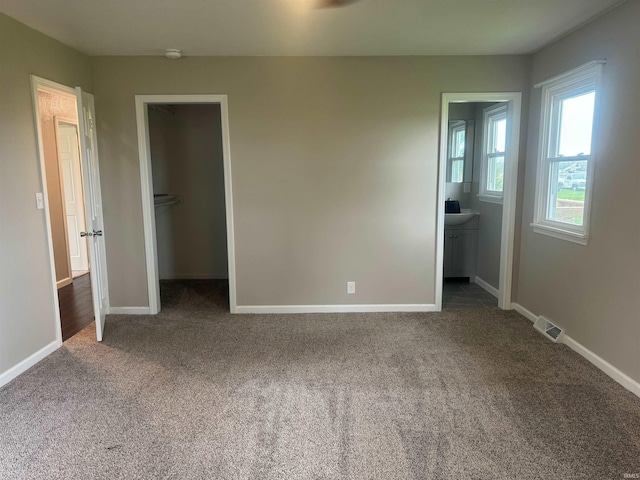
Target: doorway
x: 187, y: 200
x: 479, y: 150
x: 65, y: 126
x: 75, y: 299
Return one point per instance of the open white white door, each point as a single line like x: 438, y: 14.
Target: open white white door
x: 69, y: 158
x: 93, y: 208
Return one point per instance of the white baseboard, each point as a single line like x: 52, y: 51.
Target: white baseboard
x: 488, y: 287
x: 28, y: 362
x: 128, y: 311
x: 622, y: 378
x: 200, y: 276
x: 524, y: 312
x: 410, y: 307
x: 64, y: 282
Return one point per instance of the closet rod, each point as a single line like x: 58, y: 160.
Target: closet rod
x: 165, y: 200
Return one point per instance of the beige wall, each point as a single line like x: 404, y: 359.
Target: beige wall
x: 186, y: 158
x: 593, y: 291
x: 334, y: 164
x: 26, y: 299
x: 52, y: 106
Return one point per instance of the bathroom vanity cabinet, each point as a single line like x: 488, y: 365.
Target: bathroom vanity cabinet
x: 461, y: 250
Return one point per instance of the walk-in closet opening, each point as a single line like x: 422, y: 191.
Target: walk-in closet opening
x: 187, y: 170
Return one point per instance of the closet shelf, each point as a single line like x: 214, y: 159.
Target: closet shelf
x: 164, y: 199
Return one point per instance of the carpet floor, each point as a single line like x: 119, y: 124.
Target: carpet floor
x: 198, y: 393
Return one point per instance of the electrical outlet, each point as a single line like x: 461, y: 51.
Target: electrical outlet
x: 351, y: 287
x: 39, y: 201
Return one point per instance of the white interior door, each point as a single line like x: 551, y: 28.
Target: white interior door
x: 93, y: 211
x: 69, y: 158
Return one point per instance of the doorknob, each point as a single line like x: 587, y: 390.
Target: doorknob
x: 95, y: 233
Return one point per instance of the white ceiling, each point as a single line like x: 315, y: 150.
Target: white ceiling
x: 294, y: 27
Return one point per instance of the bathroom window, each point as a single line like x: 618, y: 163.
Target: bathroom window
x: 566, y: 161
x: 457, y: 141
x: 493, y: 153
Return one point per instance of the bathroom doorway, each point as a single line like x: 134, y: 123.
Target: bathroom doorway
x: 478, y: 185
x: 187, y: 199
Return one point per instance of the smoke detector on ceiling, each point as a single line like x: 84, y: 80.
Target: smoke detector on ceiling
x: 173, y: 53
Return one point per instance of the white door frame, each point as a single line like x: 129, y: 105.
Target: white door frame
x: 146, y: 179
x: 514, y: 102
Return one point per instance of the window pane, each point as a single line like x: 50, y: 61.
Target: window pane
x: 458, y: 143
x: 576, y: 123
x: 499, y: 135
x: 457, y: 171
x: 495, y: 173
x: 567, y: 188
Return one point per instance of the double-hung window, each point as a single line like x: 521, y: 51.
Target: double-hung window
x: 566, y: 160
x: 457, y: 142
x: 493, y: 153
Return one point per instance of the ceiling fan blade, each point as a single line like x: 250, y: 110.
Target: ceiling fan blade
x: 333, y: 3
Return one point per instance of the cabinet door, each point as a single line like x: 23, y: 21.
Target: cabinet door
x: 448, y: 253
x: 464, y: 253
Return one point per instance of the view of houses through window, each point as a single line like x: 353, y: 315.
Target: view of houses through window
x: 574, y: 128
x: 566, y: 161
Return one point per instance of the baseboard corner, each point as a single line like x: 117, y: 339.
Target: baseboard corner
x: 64, y: 282
x: 487, y: 287
x: 524, y: 312
x: 30, y: 361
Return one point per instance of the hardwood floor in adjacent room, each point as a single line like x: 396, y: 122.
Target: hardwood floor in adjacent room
x: 76, y: 306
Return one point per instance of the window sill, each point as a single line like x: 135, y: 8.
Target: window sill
x: 490, y: 198
x: 579, y: 238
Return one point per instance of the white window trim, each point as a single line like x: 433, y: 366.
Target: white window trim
x: 490, y: 195
x: 457, y: 125
x: 578, y: 79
